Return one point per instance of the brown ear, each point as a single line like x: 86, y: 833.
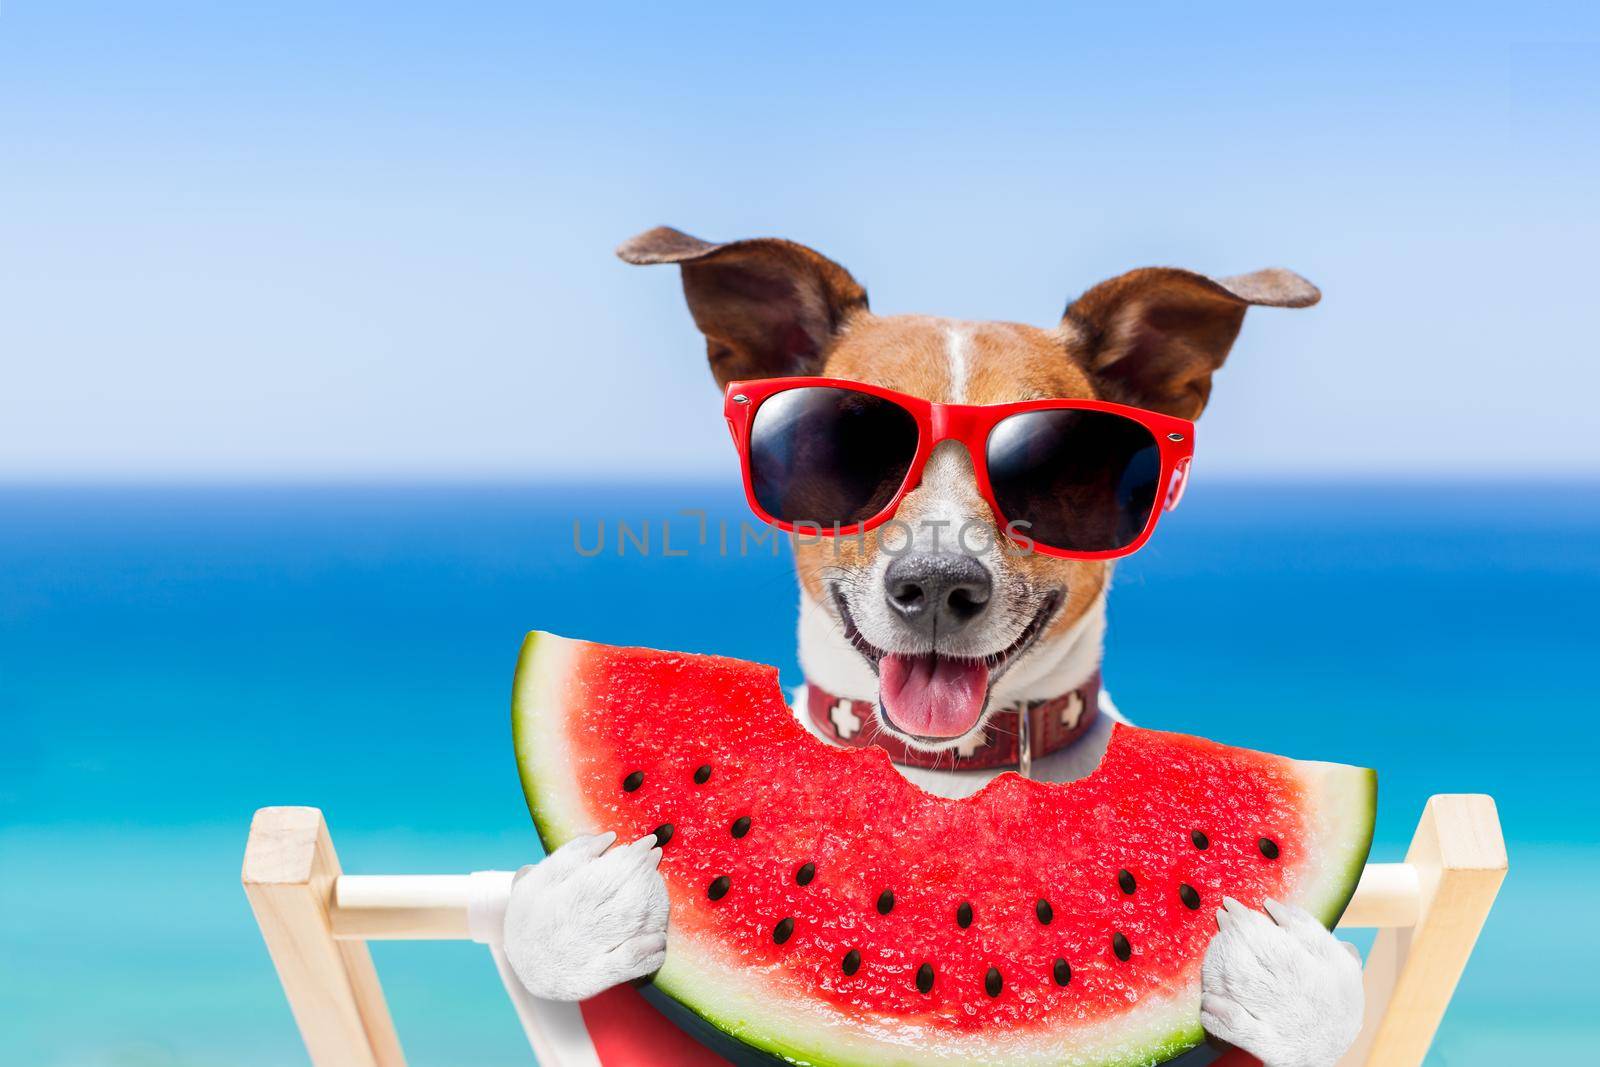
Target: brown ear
x: 768, y: 307
x: 1155, y: 336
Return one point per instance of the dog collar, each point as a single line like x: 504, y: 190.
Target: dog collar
x: 1052, y: 725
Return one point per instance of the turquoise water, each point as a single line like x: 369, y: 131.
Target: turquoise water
x: 172, y: 659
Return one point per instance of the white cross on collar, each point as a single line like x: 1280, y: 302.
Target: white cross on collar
x: 844, y: 719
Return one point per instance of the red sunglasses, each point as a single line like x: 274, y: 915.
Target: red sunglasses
x: 1079, y: 479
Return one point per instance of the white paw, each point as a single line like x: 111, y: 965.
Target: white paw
x: 1280, y: 986
x: 585, y: 919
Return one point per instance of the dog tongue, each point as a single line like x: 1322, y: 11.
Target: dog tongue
x: 932, y: 696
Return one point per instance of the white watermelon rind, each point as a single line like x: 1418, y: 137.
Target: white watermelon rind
x: 1345, y: 799
x: 541, y: 747
x: 814, y: 1033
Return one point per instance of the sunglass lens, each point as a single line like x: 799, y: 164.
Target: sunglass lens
x: 1082, y: 481
x: 824, y: 455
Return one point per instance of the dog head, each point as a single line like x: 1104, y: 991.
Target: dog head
x: 952, y: 622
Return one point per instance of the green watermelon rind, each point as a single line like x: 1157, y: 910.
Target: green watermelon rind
x: 1346, y: 799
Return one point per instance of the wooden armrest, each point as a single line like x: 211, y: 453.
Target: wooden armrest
x: 290, y: 871
x: 1411, y: 973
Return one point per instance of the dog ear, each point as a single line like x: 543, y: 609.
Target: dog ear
x: 1154, y: 337
x: 768, y: 307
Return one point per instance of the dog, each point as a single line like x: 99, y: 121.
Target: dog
x: 959, y: 654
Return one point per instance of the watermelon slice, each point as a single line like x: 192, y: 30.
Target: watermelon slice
x: 827, y: 911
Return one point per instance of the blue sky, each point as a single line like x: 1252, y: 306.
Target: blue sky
x: 242, y: 242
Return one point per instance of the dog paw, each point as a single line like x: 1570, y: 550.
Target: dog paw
x: 588, y: 917
x: 1280, y: 986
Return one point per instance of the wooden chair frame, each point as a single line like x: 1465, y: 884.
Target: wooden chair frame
x: 316, y: 922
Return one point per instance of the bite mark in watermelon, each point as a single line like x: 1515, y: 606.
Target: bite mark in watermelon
x: 825, y: 910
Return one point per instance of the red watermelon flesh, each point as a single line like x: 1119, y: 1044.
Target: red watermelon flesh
x: 825, y: 910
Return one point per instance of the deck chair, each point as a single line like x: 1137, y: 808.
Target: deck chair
x: 316, y: 921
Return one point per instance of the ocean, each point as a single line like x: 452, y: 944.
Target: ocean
x: 173, y: 658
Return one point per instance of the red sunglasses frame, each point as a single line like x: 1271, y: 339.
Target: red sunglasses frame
x: 969, y: 424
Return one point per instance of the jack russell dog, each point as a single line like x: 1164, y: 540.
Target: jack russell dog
x: 928, y: 632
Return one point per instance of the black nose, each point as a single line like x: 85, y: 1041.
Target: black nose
x: 939, y: 591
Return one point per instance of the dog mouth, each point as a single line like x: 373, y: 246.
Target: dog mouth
x: 933, y: 698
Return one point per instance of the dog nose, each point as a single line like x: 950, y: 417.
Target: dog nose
x: 944, y: 591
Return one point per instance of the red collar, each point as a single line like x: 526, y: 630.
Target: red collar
x: 1052, y: 725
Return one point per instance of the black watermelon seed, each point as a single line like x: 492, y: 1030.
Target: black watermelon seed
x: 633, y: 781
x: 663, y: 834
x: 1125, y: 882
x: 1190, y: 898
x: 964, y: 915
x: 852, y: 962
x: 1201, y: 841
x: 992, y: 982
x: 886, y: 902
x: 702, y: 774
x: 718, y: 887
x: 740, y: 827
x: 804, y: 875
x: 1062, y: 972
x: 1042, y: 909
x: 1268, y: 847
x: 925, y: 978
x: 783, y: 930
x: 1120, y: 946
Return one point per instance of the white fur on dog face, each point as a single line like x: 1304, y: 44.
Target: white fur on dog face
x: 946, y: 513
x: 1048, y: 669
x: 955, y: 348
